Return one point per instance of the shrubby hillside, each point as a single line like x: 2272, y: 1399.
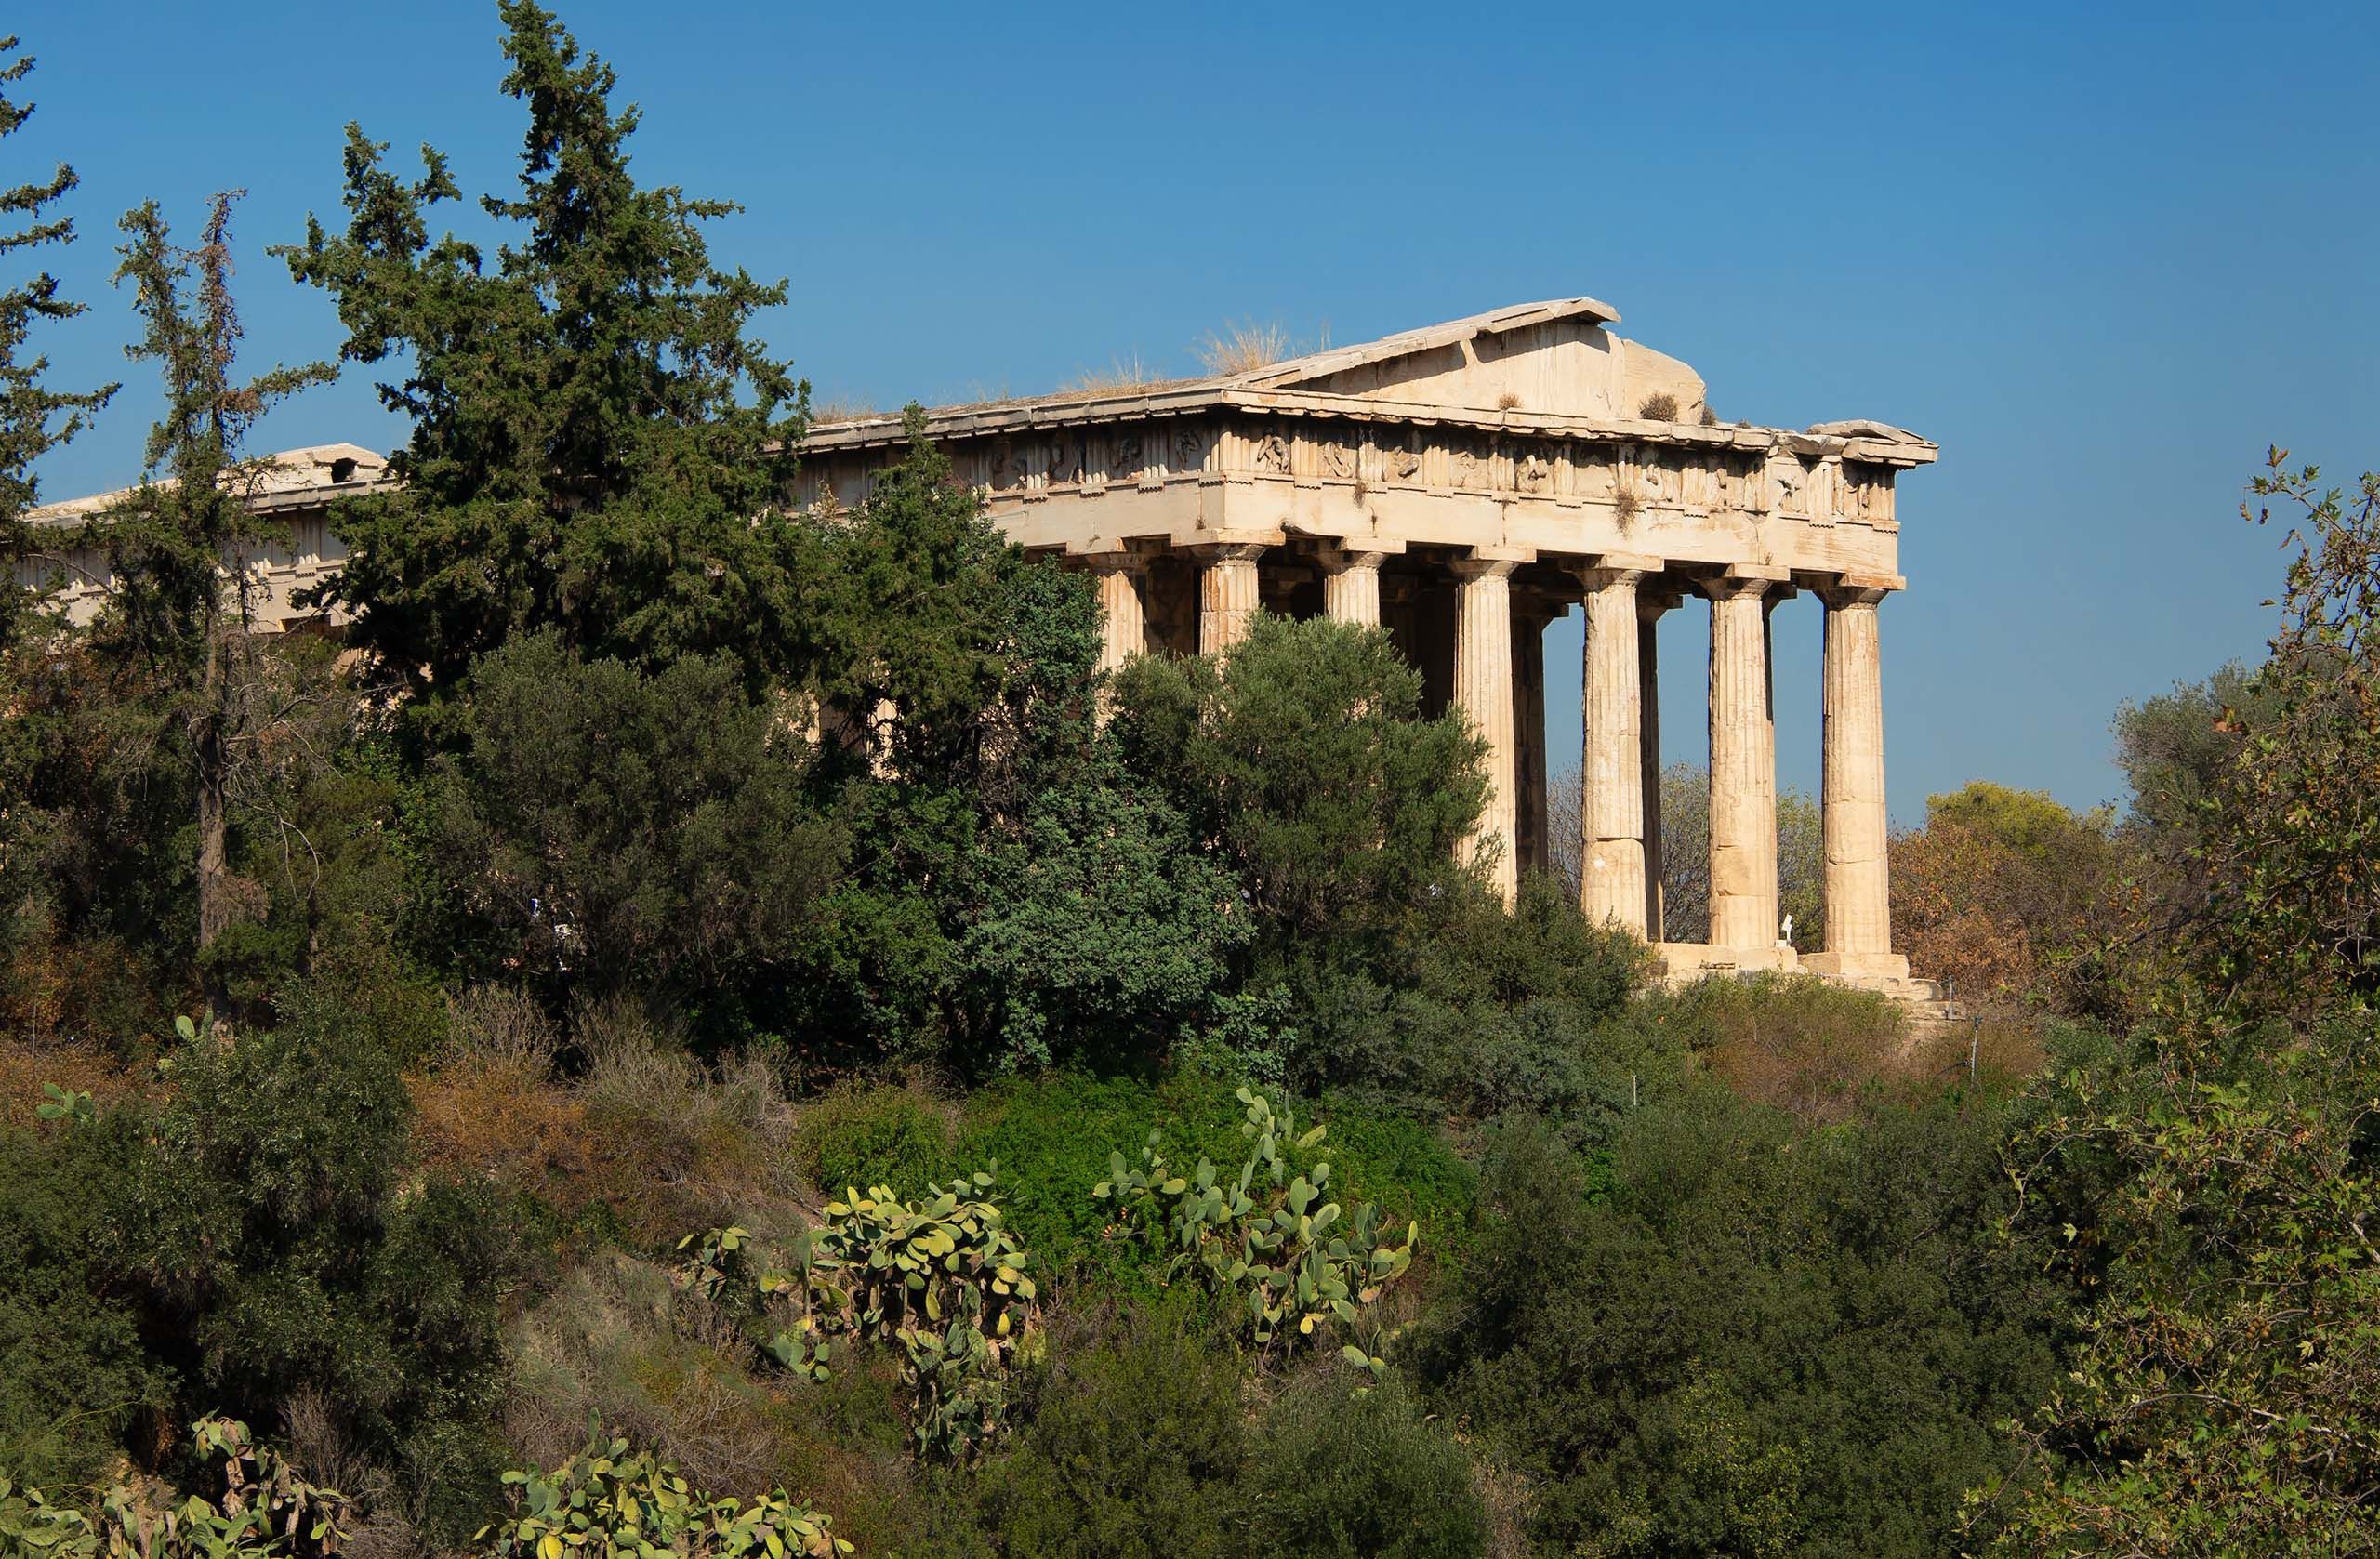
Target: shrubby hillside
x: 701, y: 1031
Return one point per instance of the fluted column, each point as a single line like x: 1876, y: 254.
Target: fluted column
x: 1743, y: 769
x: 1650, y: 604
x: 1124, y: 615
x: 1611, y: 877
x: 1858, y: 901
x: 1529, y: 616
x: 1351, y: 587
x: 1483, y: 686
x: 1227, y: 596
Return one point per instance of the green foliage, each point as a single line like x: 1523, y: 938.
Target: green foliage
x: 1135, y: 1450
x: 1306, y: 757
x: 1349, y: 1473
x: 73, y: 1373
x: 265, y: 1511
x: 875, y: 1136
x: 614, y: 1502
x: 277, y: 1237
x: 1734, y: 1334
x: 597, y: 441
x: 1016, y: 897
x: 2218, y: 1196
x: 2294, y: 917
x: 1284, y: 1254
x: 606, y: 828
x: 35, y: 416
x: 1466, y: 1008
x: 942, y: 1278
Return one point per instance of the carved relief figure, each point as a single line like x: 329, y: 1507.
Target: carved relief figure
x: 1337, y: 458
x: 1189, y: 449
x: 1273, y: 454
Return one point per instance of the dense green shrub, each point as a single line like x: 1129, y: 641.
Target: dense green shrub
x: 73, y: 1372
x: 1734, y: 1301
x: 1344, y: 1472
x: 1134, y: 1451
x: 606, y: 828
x: 277, y: 1239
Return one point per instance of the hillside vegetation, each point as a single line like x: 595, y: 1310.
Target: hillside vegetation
x: 699, y: 1030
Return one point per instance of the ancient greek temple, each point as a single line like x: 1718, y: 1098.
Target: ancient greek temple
x: 1462, y: 486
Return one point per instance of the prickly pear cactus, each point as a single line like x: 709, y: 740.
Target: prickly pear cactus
x: 1297, y: 1263
x: 612, y: 1502
x: 942, y: 1278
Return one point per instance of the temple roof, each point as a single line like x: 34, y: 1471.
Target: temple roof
x: 307, y: 470
x: 1548, y: 367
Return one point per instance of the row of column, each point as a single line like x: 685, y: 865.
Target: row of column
x: 1620, y: 763
x: 1621, y: 822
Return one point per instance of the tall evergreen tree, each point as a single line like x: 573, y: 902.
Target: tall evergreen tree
x: 599, y: 447
x: 180, y: 597
x: 35, y: 417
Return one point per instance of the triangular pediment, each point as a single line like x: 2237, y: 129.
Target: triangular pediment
x: 1555, y: 357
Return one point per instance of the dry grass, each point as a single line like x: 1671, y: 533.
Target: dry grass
x: 1244, y: 347
x: 73, y: 1065
x: 1508, y: 401
x: 504, y: 1026
x: 664, y: 1144
x: 1121, y: 374
x: 841, y: 410
x: 616, y: 1340
x: 1659, y: 408
x: 1626, y: 507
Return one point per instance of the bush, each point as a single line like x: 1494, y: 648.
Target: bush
x: 273, y: 1242
x: 1133, y: 1452
x: 1339, y: 1470
x: 72, y: 1375
x: 1739, y: 1333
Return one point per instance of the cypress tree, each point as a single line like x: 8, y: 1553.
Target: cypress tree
x: 35, y: 417
x: 599, y: 445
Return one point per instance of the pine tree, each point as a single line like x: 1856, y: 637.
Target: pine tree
x: 180, y: 599
x: 34, y: 418
x: 597, y: 446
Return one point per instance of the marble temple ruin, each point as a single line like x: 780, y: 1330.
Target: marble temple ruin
x: 1460, y: 486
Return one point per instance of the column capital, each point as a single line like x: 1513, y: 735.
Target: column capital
x: 1337, y: 557
x: 1226, y: 551
x: 1605, y: 577
x: 1477, y: 567
x: 1860, y: 590
x: 1662, y: 597
x: 1725, y: 588
x: 1113, y: 562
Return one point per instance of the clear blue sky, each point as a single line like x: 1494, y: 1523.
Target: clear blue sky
x: 2103, y: 255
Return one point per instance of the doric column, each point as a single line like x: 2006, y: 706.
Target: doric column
x: 1650, y: 604
x: 1743, y: 769
x: 1611, y: 876
x: 1483, y: 686
x: 1530, y: 614
x: 1122, y: 612
x: 1351, y: 586
x: 1226, y: 593
x: 1858, y: 903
